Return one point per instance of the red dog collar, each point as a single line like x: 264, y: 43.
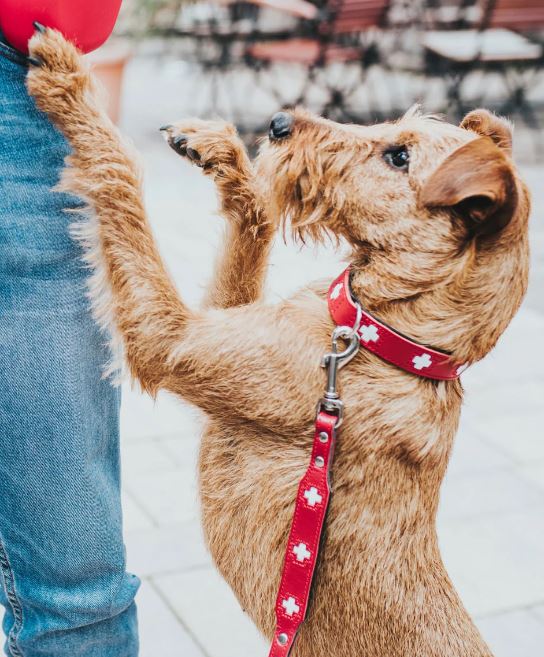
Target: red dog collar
x: 384, y: 341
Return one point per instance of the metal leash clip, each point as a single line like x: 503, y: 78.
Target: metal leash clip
x: 333, y: 361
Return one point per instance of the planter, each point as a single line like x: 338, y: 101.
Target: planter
x: 108, y: 65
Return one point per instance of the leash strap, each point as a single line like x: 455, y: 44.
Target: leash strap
x: 304, y: 539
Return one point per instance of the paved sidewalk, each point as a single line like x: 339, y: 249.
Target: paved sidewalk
x: 491, y: 522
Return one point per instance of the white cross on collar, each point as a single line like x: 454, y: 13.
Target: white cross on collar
x: 336, y: 291
x: 422, y: 361
x: 369, y: 333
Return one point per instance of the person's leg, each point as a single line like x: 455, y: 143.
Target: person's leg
x: 62, y: 564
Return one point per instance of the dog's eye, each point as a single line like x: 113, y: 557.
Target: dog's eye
x: 397, y: 157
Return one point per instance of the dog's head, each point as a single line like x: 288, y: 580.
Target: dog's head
x: 419, y: 200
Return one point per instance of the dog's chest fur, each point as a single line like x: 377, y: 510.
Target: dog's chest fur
x: 380, y: 561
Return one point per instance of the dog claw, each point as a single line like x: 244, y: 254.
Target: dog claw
x: 166, y: 127
x: 180, y: 140
x: 35, y: 61
x: 39, y: 27
x: 193, y: 155
x: 178, y: 143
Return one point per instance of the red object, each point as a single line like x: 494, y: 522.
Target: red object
x: 87, y: 24
x: 314, y: 489
x: 303, y: 544
x: 387, y: 343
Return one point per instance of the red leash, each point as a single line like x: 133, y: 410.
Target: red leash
x: 303, y: 544
x: 311, y: 504
x: 360, y: 328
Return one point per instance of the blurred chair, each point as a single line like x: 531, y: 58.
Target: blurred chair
x: 495, y: 45
x: 451, y: 14
x: 211, y: 35
x: 342, y: 32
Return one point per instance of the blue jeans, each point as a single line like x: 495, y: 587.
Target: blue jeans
x: 62, y: 561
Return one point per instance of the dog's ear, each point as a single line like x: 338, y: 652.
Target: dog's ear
x: 486, y: 124
x: 477, y: 182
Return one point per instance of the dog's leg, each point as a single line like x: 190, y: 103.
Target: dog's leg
x: 131, y: 291
x: 256, y: 363
x: 215, y: 147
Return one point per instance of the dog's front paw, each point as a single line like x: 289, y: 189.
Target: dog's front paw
x: 57, y: 76
x: 212, y: 145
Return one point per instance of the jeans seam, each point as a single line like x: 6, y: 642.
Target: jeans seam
x: 11, y: 594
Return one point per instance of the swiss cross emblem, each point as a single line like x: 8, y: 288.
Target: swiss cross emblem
x: 290, y: 606
x: 369, y: 333
x: 422, y: 361
x: 312, y: 496
x: 301, y: 552
x: 336, y: 291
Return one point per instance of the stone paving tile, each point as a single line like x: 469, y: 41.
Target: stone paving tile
x: 206, y: 604
x: 518, y: 435
x: 533, y: 473
x: 487, y: 493
x: 471, y: 454
x: 163, y: 550
x: 134, y: 517
x: 513, y: 634
x: 167, y: 496
x: 495, y: 561
x: 516, y: 355
x: 538, y: 611
x: 183, y: 451
x: 143, y: 417
x: 161, y: 633
x: 503, y: 398
x: 146, y: 455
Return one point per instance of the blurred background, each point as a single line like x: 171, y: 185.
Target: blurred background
x: 349, y: 60
x: 357, y: 61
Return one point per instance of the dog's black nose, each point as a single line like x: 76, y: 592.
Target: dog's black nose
x: 281, y: 125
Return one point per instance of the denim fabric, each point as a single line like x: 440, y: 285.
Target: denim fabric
x: 62, y: 559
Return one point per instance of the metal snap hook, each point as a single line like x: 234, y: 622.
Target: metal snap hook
x: 332, y: 362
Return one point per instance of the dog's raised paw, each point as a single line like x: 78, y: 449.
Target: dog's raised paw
x: 56, y: 72
x: 208, y: 144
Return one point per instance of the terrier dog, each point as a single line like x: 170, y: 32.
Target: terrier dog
x: 436, y: 216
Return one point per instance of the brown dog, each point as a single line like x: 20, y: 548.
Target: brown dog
x: 437, y: 219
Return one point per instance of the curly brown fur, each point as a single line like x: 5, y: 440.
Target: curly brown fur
x: 439, y: 251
